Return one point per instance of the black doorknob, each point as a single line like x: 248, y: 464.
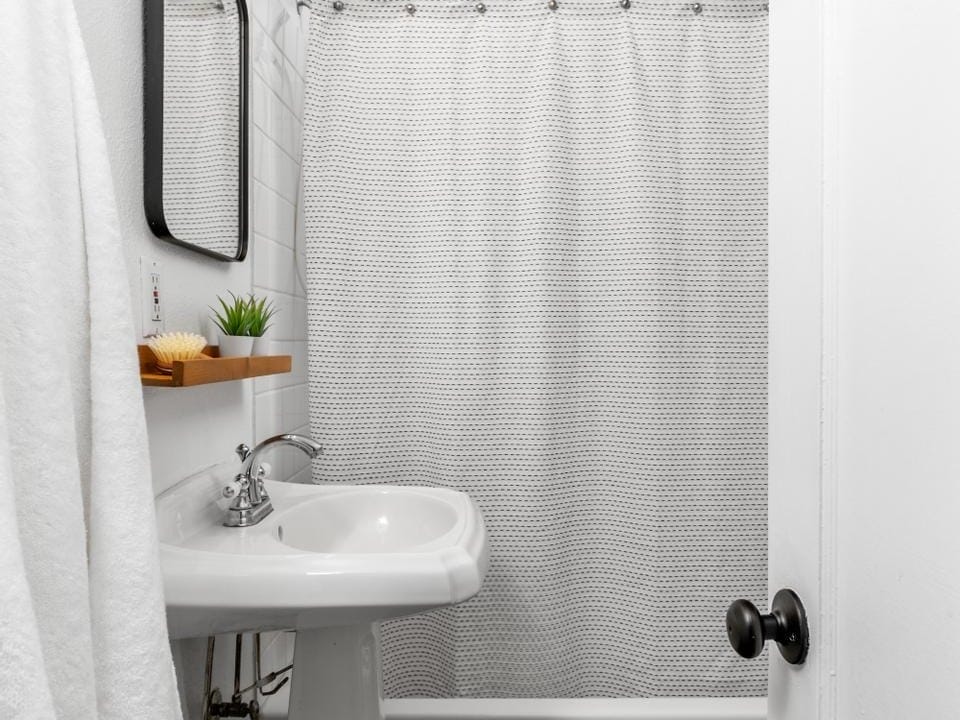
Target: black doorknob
x: 786, y: 624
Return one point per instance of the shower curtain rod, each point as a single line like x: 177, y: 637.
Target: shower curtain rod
x: 695, y: 6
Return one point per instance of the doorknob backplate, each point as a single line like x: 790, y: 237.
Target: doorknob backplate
x: 786, y: 624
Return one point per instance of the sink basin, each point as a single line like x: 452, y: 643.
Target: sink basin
x: 328, y: 555
x: 384, y: 521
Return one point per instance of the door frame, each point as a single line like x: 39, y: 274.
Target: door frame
x: 803, y: 322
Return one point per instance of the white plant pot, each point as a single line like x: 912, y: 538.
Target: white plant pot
x: 261, y: 346
x: 236, y: 345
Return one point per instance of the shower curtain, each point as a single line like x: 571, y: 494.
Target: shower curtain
x: 536, y: 264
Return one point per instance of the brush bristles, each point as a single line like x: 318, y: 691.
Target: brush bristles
x: 176, y: 346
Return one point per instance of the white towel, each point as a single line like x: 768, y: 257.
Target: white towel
x: 83, y: 631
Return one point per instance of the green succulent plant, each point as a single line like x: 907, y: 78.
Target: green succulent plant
x: 235, y: 318
x: 248, y: 316
x: 259, y: 314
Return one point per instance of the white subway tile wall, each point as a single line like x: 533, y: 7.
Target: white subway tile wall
x: 278, y: 35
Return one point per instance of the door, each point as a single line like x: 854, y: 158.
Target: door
x: 800, y: 494
x: 864, y: 430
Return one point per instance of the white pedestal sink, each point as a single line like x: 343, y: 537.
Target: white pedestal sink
x: 329, y: 562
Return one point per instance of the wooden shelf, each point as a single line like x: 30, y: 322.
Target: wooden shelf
x: 212, y: 369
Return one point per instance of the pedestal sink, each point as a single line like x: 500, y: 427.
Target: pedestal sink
x: 329, y: 562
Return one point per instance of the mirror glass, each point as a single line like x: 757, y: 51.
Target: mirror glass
x: 195, y: 122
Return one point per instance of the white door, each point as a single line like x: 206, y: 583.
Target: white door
x: 865, y: 355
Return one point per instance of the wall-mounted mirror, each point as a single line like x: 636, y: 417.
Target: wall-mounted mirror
x: 195, y: 124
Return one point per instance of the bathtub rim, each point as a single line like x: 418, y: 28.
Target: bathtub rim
x: 576, y: 709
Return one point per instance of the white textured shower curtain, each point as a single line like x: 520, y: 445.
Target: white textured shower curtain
x: 536, y: 261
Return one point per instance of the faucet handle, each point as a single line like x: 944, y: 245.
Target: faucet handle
x: 243, y: 450
x: 263, y: 472
x: 239, y: 489
x: 233, y: 489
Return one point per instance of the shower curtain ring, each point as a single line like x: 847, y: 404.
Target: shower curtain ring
x: 697, y: 8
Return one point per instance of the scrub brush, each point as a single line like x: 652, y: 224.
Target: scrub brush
x: 176, y: 346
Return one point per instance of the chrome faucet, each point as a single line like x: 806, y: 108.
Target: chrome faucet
x: 251, y: 503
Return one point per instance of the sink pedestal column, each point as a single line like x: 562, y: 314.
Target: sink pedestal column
x: 336, y: 674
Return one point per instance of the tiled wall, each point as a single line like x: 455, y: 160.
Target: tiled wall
x: 278, y: 50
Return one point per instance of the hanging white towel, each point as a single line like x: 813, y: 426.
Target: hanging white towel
x: 83, y: 632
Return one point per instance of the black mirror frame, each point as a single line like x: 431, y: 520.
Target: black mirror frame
x: 153, y: 35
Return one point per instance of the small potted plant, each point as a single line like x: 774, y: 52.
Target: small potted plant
x: 234, y: 326
x: 259, y: 313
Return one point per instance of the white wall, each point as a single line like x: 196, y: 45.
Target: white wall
x: 192, y: 429
x: 278, y: 49
x: 893, y: 68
